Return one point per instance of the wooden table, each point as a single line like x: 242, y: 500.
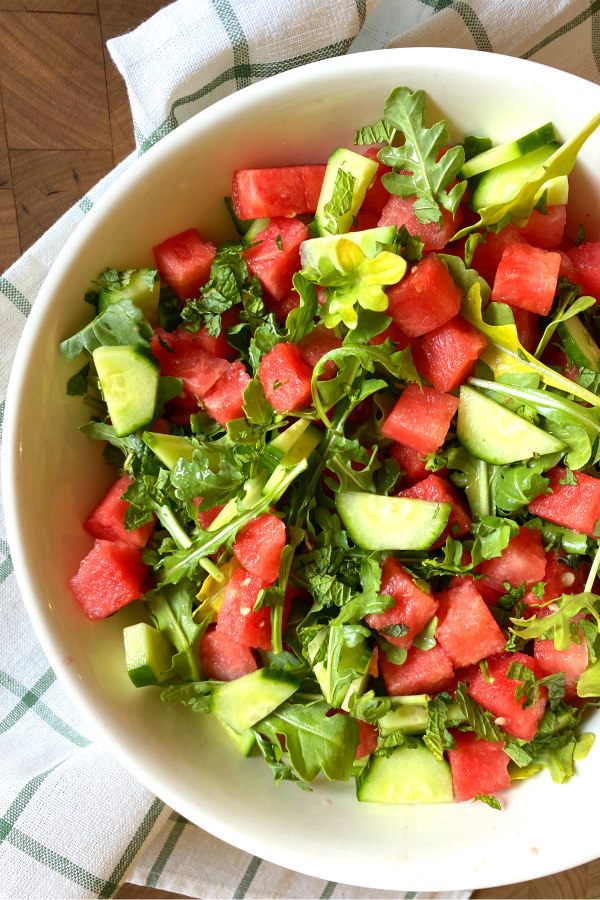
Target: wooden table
x: 64, y: 123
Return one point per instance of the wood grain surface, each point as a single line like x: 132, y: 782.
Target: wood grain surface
x: 64, y: 123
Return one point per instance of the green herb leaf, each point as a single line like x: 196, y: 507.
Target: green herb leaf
x: 77, y: 385
x: 121, y: 323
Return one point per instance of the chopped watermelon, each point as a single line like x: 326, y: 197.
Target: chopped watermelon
x: 207, y: 517
x: 107, y: 521
x: 395, y: 334
x: 423, y: 672
x: 573, y: 661
x: 282, y: 308
x: 285, y: 378
x: 283, y: 191
x: 275, y: 256
x: 225, y: 399
x: 447, y: 355
x: 545, y: 230
x: 478, y: 767
x: 183, y: 262
x: 377, y: 195
x: 317, y: 343
x: 440, y: 490
x: 498, y: 695
x: 466, y: 628
x: 184, y: 358
x: 421, y: 418
x: 237, y: 617
x: 368, y: 737
x: 528, y: 327
x: 410, y: 461
x: 586, y: 260
x: 258, y: 546
x: 527, y: 277
x: 559, y: 579
x: 223, y: 659
x: 426, y: 298
x: 109, y: 577
x: 523, y: 560
x: 413, y: 607
x: 399, y: 211
x: 575, y: 506
x: 488, y: 252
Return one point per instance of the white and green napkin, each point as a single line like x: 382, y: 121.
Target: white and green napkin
x: 73, y: 823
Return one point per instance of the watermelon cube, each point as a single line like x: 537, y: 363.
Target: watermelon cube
x: 399, y: 211
x: 528, y: 327
x: 182, y: 357
x: 438, y: 489
x: 410, y: 461
x: 586, y: 260
x: 478, y: 767
x: 394, y: 333
x: 377, y: 196
x: 285, y: 378
x: 109, y: 577
x: 225, y: 399
x: 466, y: 628
x: 421, y: 418
x: 523, y: 560
x: 107, y: 521
x: 223, y: 659
x: 368, y: 738
x: 559, y: 579
x: 282, y: 308
x: 426, y: 298
x: 446, y: 356
x: 237, y: 618
x: 498, y: 695
x: 573, y: 661
x: 575, y: 506
x: 413, y: 606
x: 545, y: 230
x: 206, y: 517
x: 527, y: 277
x: 281, y: 191
x: 183, y: 262
x: 488, y: 252
x: 258, y: 546
x: 275, y: 256
x: 423, y: 672
x: 317, y: 343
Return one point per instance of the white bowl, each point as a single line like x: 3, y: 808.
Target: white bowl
x: 53, y: 476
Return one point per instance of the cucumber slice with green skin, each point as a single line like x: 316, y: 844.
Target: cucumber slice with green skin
x: 243, y: 226
x: 412, y: 719
x: 369, y: 241
x: 493, y: 433
x: 556, y: 191
x: 255, y: 227
x: 148, y: 654
x: 409, y: 775
x: 290, y: 446
x: 245, y: 742
x: 244, y: 702
x: 497, y: 185
x: 129, y: 378
x: 579, y: 345
x: 363, y: 171
x: 169, y: 448
x: 503, y: 153
x: 375, y: 522
x: 139, y: 291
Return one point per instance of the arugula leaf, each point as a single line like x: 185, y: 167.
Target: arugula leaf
x: 121, y: 323
x: 410, y: 246
x: 272, y: 753
x: 558, y: 623
x: 77, y: 385
x: 492, y: 535
x: 195, y: 694
x: 171, y: 610
x: 513, y: 487
x: 216, y: 479
x: 229, y: 278
x: 570, y: 304
x: 300, y: 321
x: 429, y: 179
x: 529, y: 688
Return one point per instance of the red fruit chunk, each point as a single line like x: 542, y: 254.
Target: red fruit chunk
x: 183, y: 261
x: 377, y: 196
x: 438, y: 489
x: 573, y: 506
x: 317, y: 343
x: 412, y: 462
x: 395, y: 334
x: 184, y: 358
x: 224, y: 401
x: 285, y: 378
x: 283, y: 308
x: 399, y: 211
x: 423, y: 672
x: 558, y: 579
x: 426, y: 298
x: 368, y: 737
x: 282, y: 191
x: 207, y: 516
x: 498, y: 696
x: 274, y: 266
x: 488, y: 253
x: 527, y: 325
x: 523, y: 560
x: 466, y: 628
x: 223, y: 659
x: 237, y: 617
x: 527, y: 277
x: 107, y: 521
x: 446, y: 356
x: 586, y: 260
x: 109, y: 577
x: 572, y: 661
x: 478, y: 767
x: 258, y: 546
x: 413, y: 607
x: 420, y: 419
x: 545, y: 231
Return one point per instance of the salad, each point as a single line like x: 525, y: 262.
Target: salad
x: 356, y: 453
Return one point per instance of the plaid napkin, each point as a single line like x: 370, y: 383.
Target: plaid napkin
x: 73, y: 823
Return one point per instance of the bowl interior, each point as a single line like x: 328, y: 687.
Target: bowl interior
x: 53, y: 476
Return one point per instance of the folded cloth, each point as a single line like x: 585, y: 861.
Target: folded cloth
x: 73, y: 822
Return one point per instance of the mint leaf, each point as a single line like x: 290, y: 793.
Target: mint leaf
x: 437, y: 737
x: 121, y: 323
x: 488, y: 799
x: 379, y: 133
x: 480, y: 721
x: 340, y: 203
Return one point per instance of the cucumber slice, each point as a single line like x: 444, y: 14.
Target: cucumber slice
x: 497, y: 435
x: 497, y: 185
x: 369, y: 242
x: 375, y: 522
x: 245, y: 742
x: 244, y: 702
x: 363, y: 170
x: 556, y: 190
x: 243, y: 226
x: 290, y: 446
x: 255, y: 227
x: 142, y: 289
x: 148, y: 654
x: 579, y: 345
x: 412, y: 718
x: 169, y: 447
x: 129, y: 379
x: 409, y: 775
x: 504, y: 153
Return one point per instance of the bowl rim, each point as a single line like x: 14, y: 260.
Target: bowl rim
x: 106, y: 736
